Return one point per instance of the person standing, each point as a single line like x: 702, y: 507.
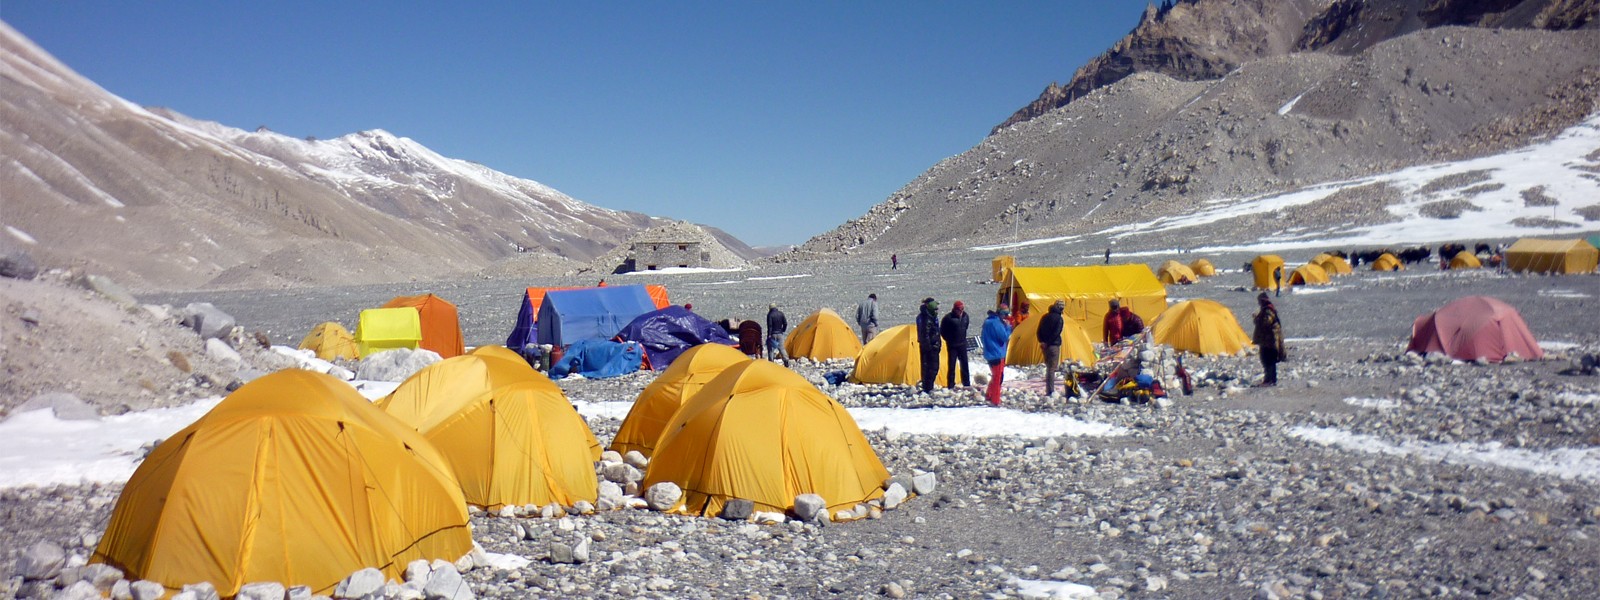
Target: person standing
x: 867, y: 318
x: 894, y: 262
x: 928, y: 342
x: 953, y: 329
x: 777, y: 327
x: 1268, y: 336
x: 1050, y: 344
x: 1111, y: 327
x: 1108, y: 255
x: 996, y: 340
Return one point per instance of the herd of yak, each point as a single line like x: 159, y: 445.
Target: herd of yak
x: 1413, y: 255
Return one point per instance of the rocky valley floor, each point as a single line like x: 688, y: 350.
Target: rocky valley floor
x: 1367, y: 473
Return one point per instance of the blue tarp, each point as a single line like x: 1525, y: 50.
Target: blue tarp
x: 597, y: 359
x: 668, y: 332
x: 590, y: 313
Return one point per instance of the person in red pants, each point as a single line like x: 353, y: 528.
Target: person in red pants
x: 996, y: 338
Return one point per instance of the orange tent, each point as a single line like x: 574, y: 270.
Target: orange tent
x: 441, y: 328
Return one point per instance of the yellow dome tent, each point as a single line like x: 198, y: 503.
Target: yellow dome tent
x: 331, y: 340
x: 895, y: 357
x: 1203, y: 268
x: 1200, y: 327
x: 763, y: 433
x: 1023, y: 349
x: 1263, y: 267
x: 659, y: 400
x: 1334, y: 265
x: 500, y: 352
x: 1552, y: 256
x: 822, y: 336
x: 387, y: 329
x: 1173, y: 272
x: 1465, y: 260
x: 293, y: 478
x: 1307, y: 274
x: 1387, y: 262
x: 508, y: 432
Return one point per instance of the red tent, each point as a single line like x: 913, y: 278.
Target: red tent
x: 1474, y: 327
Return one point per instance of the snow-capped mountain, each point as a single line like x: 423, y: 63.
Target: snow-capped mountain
x: 163, y: 201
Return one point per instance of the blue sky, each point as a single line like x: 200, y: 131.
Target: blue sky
x: 774, y: 121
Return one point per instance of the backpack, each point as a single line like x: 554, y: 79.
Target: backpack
x: 1132, y: 325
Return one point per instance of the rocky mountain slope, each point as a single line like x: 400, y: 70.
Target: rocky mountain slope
x: 158, y: 200
x: 1194, y: 40
x: 1151, y: 146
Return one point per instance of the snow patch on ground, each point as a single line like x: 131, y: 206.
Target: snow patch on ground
x: 506, y: 562
x: 684, y: 271
x: 1561, y: 293
x: 1298, y: 290
x: 1373, y: 403
x: 36, y: 448
x: 1556, y: 346
x: 21, y: 235
x: 779, y: 277
x: 1289, y: 106
x: 1563, y: 463
x: 1055, y: 590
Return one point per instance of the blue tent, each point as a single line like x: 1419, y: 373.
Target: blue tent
x: 598, y: 359
x: 668, y: 332
x: 590, y: 313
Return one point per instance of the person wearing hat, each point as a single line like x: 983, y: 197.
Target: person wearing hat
x: 777, y: 327
x: 1112, y: 325
x: 953, y: 329
x: 1268, y: 336
x: 928, y: 342
x: 1050, y: 344
x: 996, y: 340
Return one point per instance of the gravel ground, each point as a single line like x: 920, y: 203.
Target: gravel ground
x: 1214, y: 496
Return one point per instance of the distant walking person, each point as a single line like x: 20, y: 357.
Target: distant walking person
x: 777, y: 327
x: 867, y: 318
x: 953, y: 329
x: 1050, y: 344
x: 996, y: 340
x: 1108, y: 255
x: 1268, y: 336
x: 894, y: 261
x: 928, y: 342
x: 1277, y: 281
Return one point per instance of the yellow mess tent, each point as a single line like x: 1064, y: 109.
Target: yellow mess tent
x: 1307, y: 274
x: 441, y: 327
x: 822, y: 336
x: 1000, y: 265
x: 387, y: 329
x: 1465, y: 260
x: 1086, y: 290
x: 763, y: 433
x: 1334, y: 265
x: 895, y: 357
x: 1023, y: 349
x: 508, y: 432
x: 330, y: 341
x: 674, y: 386
x: 1552, y: 256
x: 1203, y: 268
x: 1263, y: 269
x: 1200, y: 327
x: 1387, y: 262
x: 1174, y: 272
x: 293, y: 478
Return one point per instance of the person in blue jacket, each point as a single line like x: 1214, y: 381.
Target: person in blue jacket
x: 996, y: 339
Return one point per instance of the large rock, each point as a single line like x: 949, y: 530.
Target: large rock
x: 636, y: 459
x: 18, y: 264
x: 361, y: 584
x: 147, y: 590
x: 610, y: 496
x: 893, y: 496
x: 220, y: 351
x: 809, y: 508
x: 81, y: 590
x: 418, y: 571
x: 102, y: 576
x: 269, y: 590
x: 202, y: 591
x: 622, y: 473
x: 924, y: 483
x: 65, y: 406
x: 446, y: 584
x: 207, y: 320
x: 738, y: 509
x: 663, y: 496
x: 395, y: 365
x: 42, y: 560
x: 110, y: 290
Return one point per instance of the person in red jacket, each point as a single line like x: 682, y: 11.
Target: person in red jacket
x: 1112, y: 326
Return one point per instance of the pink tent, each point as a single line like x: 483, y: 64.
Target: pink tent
x: 1474, y: 327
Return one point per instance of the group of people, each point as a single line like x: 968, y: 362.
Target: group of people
x: 949, y: 335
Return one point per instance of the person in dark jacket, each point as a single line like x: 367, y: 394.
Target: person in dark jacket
x: 996, y: 340
x: 1268, y: 336
x: 777, y: 328
x: 1050, y: 344
x: 750, y: 338
x: 867, y: 318
x: 928, y: 342
x: 953, y: 330
x: 1132, y: 324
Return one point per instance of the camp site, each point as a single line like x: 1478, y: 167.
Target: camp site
x: 650, y: 418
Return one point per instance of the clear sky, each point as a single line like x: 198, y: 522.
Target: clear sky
x: 775, y: 121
